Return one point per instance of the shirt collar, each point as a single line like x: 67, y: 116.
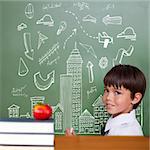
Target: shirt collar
x: 120, y: 120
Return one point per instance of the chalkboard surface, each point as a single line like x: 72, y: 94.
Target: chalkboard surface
x: 58, y: 52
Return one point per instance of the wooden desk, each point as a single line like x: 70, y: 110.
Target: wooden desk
x: 91, y: 143
x: 101, y: 143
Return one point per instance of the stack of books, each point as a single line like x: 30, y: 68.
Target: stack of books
x: 27, y: 132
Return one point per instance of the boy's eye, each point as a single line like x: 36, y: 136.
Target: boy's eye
x: 106, y: 90
x: 117, y: 92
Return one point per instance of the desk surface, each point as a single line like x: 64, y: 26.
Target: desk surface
x: 101, y: 143
x: 91, y: 143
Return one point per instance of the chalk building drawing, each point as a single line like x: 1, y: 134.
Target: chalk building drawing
x: 58, y: 118
x: 35, y: 100
x: 74, y: 68
x: 100, y: 115
x: 66, y: 99
x: 86, y: 123
x: 13, y: 111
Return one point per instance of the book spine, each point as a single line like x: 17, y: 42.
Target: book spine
x: 26, y: 127
x: 27, y: 139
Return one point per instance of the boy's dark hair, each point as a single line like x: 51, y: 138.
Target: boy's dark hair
x: 130, y: 77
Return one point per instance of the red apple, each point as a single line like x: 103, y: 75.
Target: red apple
x: 42, y: 111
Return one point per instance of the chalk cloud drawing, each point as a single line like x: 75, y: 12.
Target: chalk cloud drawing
x: 23, y: 69
x: 90, y: 71
x: 41, y: 39
x: 62, y: 27
x: 103, y: 62
x: 116, y: 20
x: 46, y: 20
x: 29, y: 51
x: 128, y: 34
x: 21, y: 26
x: 89, y: 18
x: 44, y: 83
x: 121, y: 53
x: 29, y: 11
x: 105, y: 39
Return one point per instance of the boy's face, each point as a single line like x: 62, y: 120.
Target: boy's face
x: 117, y: 101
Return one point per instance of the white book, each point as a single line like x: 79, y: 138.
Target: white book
x: 27, y: 139
x: 26, y: 126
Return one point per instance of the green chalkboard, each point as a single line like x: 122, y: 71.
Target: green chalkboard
x: 58, y: 52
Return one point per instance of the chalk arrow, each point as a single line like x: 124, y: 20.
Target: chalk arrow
x: 73, y: 33
x: 29, y: 52
x: 121, y: 53
x: 90, y: 71
x: 43, y: 84
x: 116, y: 20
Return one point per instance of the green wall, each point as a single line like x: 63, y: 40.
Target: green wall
x: 62, y: 60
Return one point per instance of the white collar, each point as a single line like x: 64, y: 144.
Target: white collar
x: 120, y: 120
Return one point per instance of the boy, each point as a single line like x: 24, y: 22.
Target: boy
x: 124, y: 88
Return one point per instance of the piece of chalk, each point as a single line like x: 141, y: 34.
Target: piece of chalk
x: 71, y: 130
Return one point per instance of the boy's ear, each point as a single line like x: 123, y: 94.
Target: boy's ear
x: 137, y: 98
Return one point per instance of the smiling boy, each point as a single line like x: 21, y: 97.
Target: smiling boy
x: 124, y: 88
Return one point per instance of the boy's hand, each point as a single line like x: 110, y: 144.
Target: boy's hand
x: 70, y: 132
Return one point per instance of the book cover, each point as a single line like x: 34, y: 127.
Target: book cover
x: 26, y: 126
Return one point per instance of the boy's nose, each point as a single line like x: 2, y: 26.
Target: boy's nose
x: 109, y: 96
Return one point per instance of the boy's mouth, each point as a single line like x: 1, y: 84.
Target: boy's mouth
x: 109, y: 105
